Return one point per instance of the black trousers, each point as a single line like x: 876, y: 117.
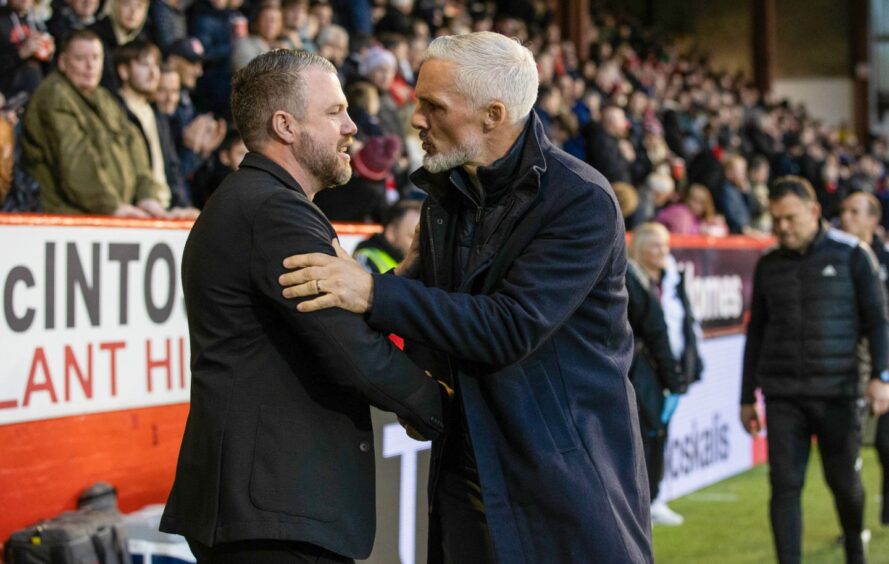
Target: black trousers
x: 263, y: 551
x: 465, y: 537
x: 654, y: 445
x: 882, y: 445
x: 836, y: 423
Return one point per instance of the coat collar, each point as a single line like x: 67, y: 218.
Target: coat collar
x: 261, y: 162
x: 518, y: 170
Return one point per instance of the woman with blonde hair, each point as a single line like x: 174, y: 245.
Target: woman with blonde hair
x: 122, y: 22
x: 665, y: 359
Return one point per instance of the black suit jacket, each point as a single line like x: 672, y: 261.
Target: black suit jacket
x: 278, y: 443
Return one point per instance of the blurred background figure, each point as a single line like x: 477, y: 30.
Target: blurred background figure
x: 364, y: 198
x: 224, y: 161
x: 693, y: 214
x: 26, y: 48
x: 383, y: 251
x: 860, y: 216
x: 666, y: 359
x: 122, y: 21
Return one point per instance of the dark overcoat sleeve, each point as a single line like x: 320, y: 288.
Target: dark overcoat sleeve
x: 351, y: 355
x: 542, y: 288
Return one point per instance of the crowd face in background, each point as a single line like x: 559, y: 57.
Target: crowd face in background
x: 142, y: 74
x: 859, y: 216
x: 168, y: 92
x: 81, y: 63
x: 269, y: 23
x: 129, y: 14
x: 84, y: 8
x: 654, y: 251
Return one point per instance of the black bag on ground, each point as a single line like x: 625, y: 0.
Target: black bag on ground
x: 88, y: 535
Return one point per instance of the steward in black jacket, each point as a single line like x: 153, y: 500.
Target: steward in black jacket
x: 808, y: 313
x: 814, y: 298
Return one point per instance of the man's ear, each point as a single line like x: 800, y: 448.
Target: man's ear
x: 495, y: 116
x: 284, y: 127
x: 123, y: 73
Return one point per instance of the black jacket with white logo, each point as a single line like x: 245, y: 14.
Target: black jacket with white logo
x: 809, y: 312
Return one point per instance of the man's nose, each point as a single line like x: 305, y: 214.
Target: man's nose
x: 417, y: 120
x: 349, y: 127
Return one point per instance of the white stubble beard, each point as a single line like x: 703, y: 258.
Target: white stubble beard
x: 457, y: 156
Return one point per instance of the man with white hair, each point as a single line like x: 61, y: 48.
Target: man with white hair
x: 515, y: 296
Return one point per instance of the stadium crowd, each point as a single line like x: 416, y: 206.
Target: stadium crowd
x: 144, y: 128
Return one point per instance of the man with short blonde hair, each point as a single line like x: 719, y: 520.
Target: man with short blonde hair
x: 277, y: 460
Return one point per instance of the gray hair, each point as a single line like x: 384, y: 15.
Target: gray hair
x: 330, y: 34
x: 491, y: 66
x: 271, y: 82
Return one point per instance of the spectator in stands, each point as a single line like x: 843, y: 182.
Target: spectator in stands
x: 554, y: 273
x: 364, y: 197
x: 322, y: 11
x: 8, y: 121
x: 401, y: 90
x: 548, y: 106
x: 186, y: 57
x: 79, y: 144
x: 666, y: 359
x: 817, y: 282
x: 168, y: 21
x: 734, y: 198
x: 25, y: 48
x: 292, y: 481
x: 627, y: 199
x: 215, y: 25
x: 169, y: 89
x: 364, y: 108
x: 224, y: 162
x: 138, y: 68
x: 608, y: 149
x: 694, y: 214
x: 333, y: 44
x: 397, y: 18
x: 382, y: 252
x: 196, y: 135
x: 294, y: 14
x: 860, y: 215
x: 760, y: 133
x: 355, y: 15
x: 73, y: 14
x: 654, y: 194
x: 379, y: 68
x: 122, y: 21
x: 265, y: 32
x: 759, y: 189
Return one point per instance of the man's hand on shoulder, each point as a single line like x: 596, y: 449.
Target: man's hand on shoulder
x: 338, y: 281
